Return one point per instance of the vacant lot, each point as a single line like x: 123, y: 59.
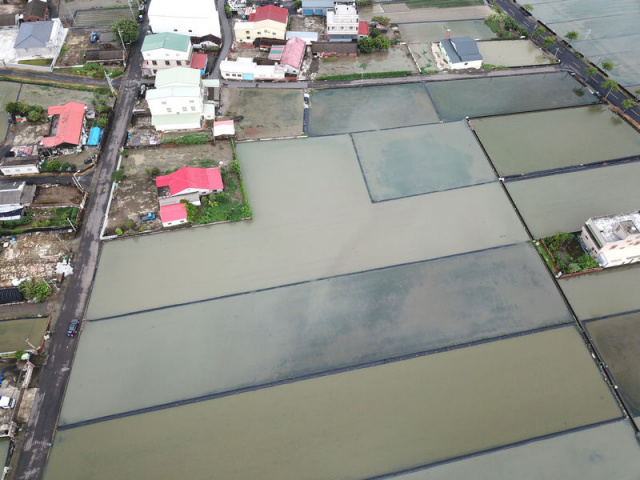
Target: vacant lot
x: 106, y: 16
x: 18, y: 334
x: 137, y: 193
x: 49, y: 96
x: 397, y: 58
x: 58, y: 195
x: 264, y: 113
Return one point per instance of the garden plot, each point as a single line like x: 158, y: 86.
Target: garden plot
x: 513, y: 53
x: 265, y: 113
x: 616, y: 292
x: 21, y: 334
x: 389, y: 418
x: 311, y: 327
x: 312, y: 218
x: 555, y: 140
x: 589, y: 454
x: 369, y: 108
x: 427, y: 32
x: 564, y: 202
x: 100, y: 16
x: 618, y: 342
x: 416, y: 160
x: 396, y: 59
x: 480, y: 97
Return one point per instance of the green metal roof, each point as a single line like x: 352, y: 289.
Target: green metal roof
x: 178, y: 77
x: 168, y: 40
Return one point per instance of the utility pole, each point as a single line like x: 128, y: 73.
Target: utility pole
x: 124, y: 58
x: 131, y: 9
x: 113, y: 90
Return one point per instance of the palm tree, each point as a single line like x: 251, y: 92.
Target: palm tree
x: 610, y: 85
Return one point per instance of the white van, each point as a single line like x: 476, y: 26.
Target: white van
x: 7, y: 402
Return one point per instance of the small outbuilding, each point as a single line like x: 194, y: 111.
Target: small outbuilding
x: 461, y: 53
x: 188, y: 183
x: 172, y: 215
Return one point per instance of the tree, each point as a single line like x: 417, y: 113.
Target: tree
x: 528, y: 6
x: 381, y: 43
x: 381, y: 20
x: 628, y: 103
x: 365, y: 45
x: 229, y: 13
x: 34, y: 116
x: 128, y: 28
x: 572, y: 35
x: 43, y: 291
x: 637, y: 92
x: 607, y: 65
x: 610, y: 85
x: 375, y: 33
x: 548, y: 42
x: 17, y: 108
x: 117, y: 176
x: 539, y: 31
x: 297, y: 5
x: 590, y: 71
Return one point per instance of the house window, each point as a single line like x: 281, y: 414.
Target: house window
x: 153, y: 62
x: 191, y: 101
x: 167, y: 62
x: 175, y: 29
x: 247, y: 33
x: 190, y: 31
x: 259, y: 33
x: 184, y: 109
x: 164, y: 103
x: 168, y: 110
x: 178, y: 62
x: 193, y: 109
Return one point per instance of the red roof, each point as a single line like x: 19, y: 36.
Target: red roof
x: 191, y: 177
x: 69, y: 129
x: 199, y: 60
x: 363, y: 28
x: 293, y: 52
x: 171, y: 213
x: 270, y: 12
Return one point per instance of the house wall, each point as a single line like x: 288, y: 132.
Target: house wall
x: 247, y: 32
x: 167, y: 105
x: 207, y: 23
x: 154, y: 60
x: 611, y: 253
x: 167, y: 127
x: 19, y: 170
x: 50, y: 49
x: 174, y: 223
x: 230, y: 70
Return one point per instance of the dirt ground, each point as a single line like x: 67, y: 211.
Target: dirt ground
x: 26, y: 133
x: 309, y: 23
x: 58, y: 195
x: 33, y: 255
x: 137, y: 193
x: 396, y: 59
x: 78, y: 41
x: 272, y: 113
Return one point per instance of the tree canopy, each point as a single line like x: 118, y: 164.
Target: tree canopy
x: 607, y: 65
x: 572, y: 35
x: 548, y: 42
x: 591, y: 71
x: 128, y: 28
x: 381, y: 20
x: 628, y: 103
x: 610, y: 85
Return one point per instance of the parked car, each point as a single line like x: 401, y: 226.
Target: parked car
x: 6, y: 402
x: 74, y: 327
x: 147, y: 216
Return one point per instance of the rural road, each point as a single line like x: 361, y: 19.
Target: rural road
x: 46, y: 408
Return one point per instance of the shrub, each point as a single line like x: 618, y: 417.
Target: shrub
x: 118, y: 175
x: 27, y: 289
x: 43, y: 291
x: 34, y: 116
x: 128, y: 224
x: 119, y: 231
x: 235, y: 167
x: 102, y: 122
x: 152, y: 172
x: 51, y: 166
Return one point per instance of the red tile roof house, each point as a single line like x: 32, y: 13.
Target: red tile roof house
x: 293, y: 54
x: 188, y: 183
x: 172, y: 215
x: 363, y: 29
x: 68, y: 126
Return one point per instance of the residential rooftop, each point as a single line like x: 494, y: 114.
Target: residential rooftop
x: 607, y: 225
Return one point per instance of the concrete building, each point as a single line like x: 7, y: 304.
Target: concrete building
x: 178, y: 101
x: 39, y: 39
x: 165, y: 50
x: 194, y: 18
x: 245, y: 69
x: 342, y: 23
x: 10, y: 166
x: 613, y: 239
x: 35, y: 11
x: 13, y: 198
x: 461, y: 53
x: 316, y: 7
x: 269, y: 22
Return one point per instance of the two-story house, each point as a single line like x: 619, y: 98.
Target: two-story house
x: 165, y: 50
x: 342, y: 23
x: 613, y: 239
x: 194, y: 18
x: 177, y: 102
x: 39, y: 39
x: 265, y: 22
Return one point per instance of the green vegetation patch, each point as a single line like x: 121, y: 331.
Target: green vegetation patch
x: 189, y: 139
x: 40, y: 62
x: 93, y: 70
x: 504, y: 26
x: 442, y: 3
x: 563, y: 252
x: 358, y: 76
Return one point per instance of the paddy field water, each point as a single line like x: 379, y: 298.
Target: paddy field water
x: 434, y: 31
x: 542, y: 141
x: 564, y: 202
x: 17, y: 334
x: 356, y: 424
x: 618, y: 342
x: 4, y: 450
x: 512, y: 53
x: 288, y: 332
x: 8, y: 93
x: 346, y: 110
x: 313, y: 218
x: 416, y: 160
x: 480, y: 97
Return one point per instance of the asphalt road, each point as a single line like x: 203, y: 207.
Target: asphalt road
x: 227, y: 39
x: 46, y: 408
x: 568, y: 59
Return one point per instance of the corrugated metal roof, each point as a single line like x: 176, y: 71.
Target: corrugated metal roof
x: 167, y: 92
x: 178, y: 76
x: 169, y: 40
x: 293, y: 52
x: 70, y: 121
x: 270, y: 12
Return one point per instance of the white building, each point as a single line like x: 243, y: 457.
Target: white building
x: 613, y: 239
x: 39, y: 39
x: 265, y: 22
x: 342, y: 22
x: 194, y: 18
x: 19, y: 166
x: 245, y: 69
x: 165, y: 50
x: 461, y: 53
x: 13, y: 198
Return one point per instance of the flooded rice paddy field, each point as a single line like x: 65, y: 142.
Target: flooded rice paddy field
x: 457, y: 99
x: 49, y: 96
x: 512, y: 53
x: 618, y: 342
x: 604, y: 34
x: 348, y: 110
x: 434, y: 31
x: 4, y: 450
x: 356, y: 424
x: 415, y: 160
x: 17, y: 334
x: 320, y: 326
x: 8, y: 93
x: 604, y: 451
x: 313, y: 218
x: 395, y: 59
x: 564, y: 202
x: 542, y: 141
x: 607, y: 292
